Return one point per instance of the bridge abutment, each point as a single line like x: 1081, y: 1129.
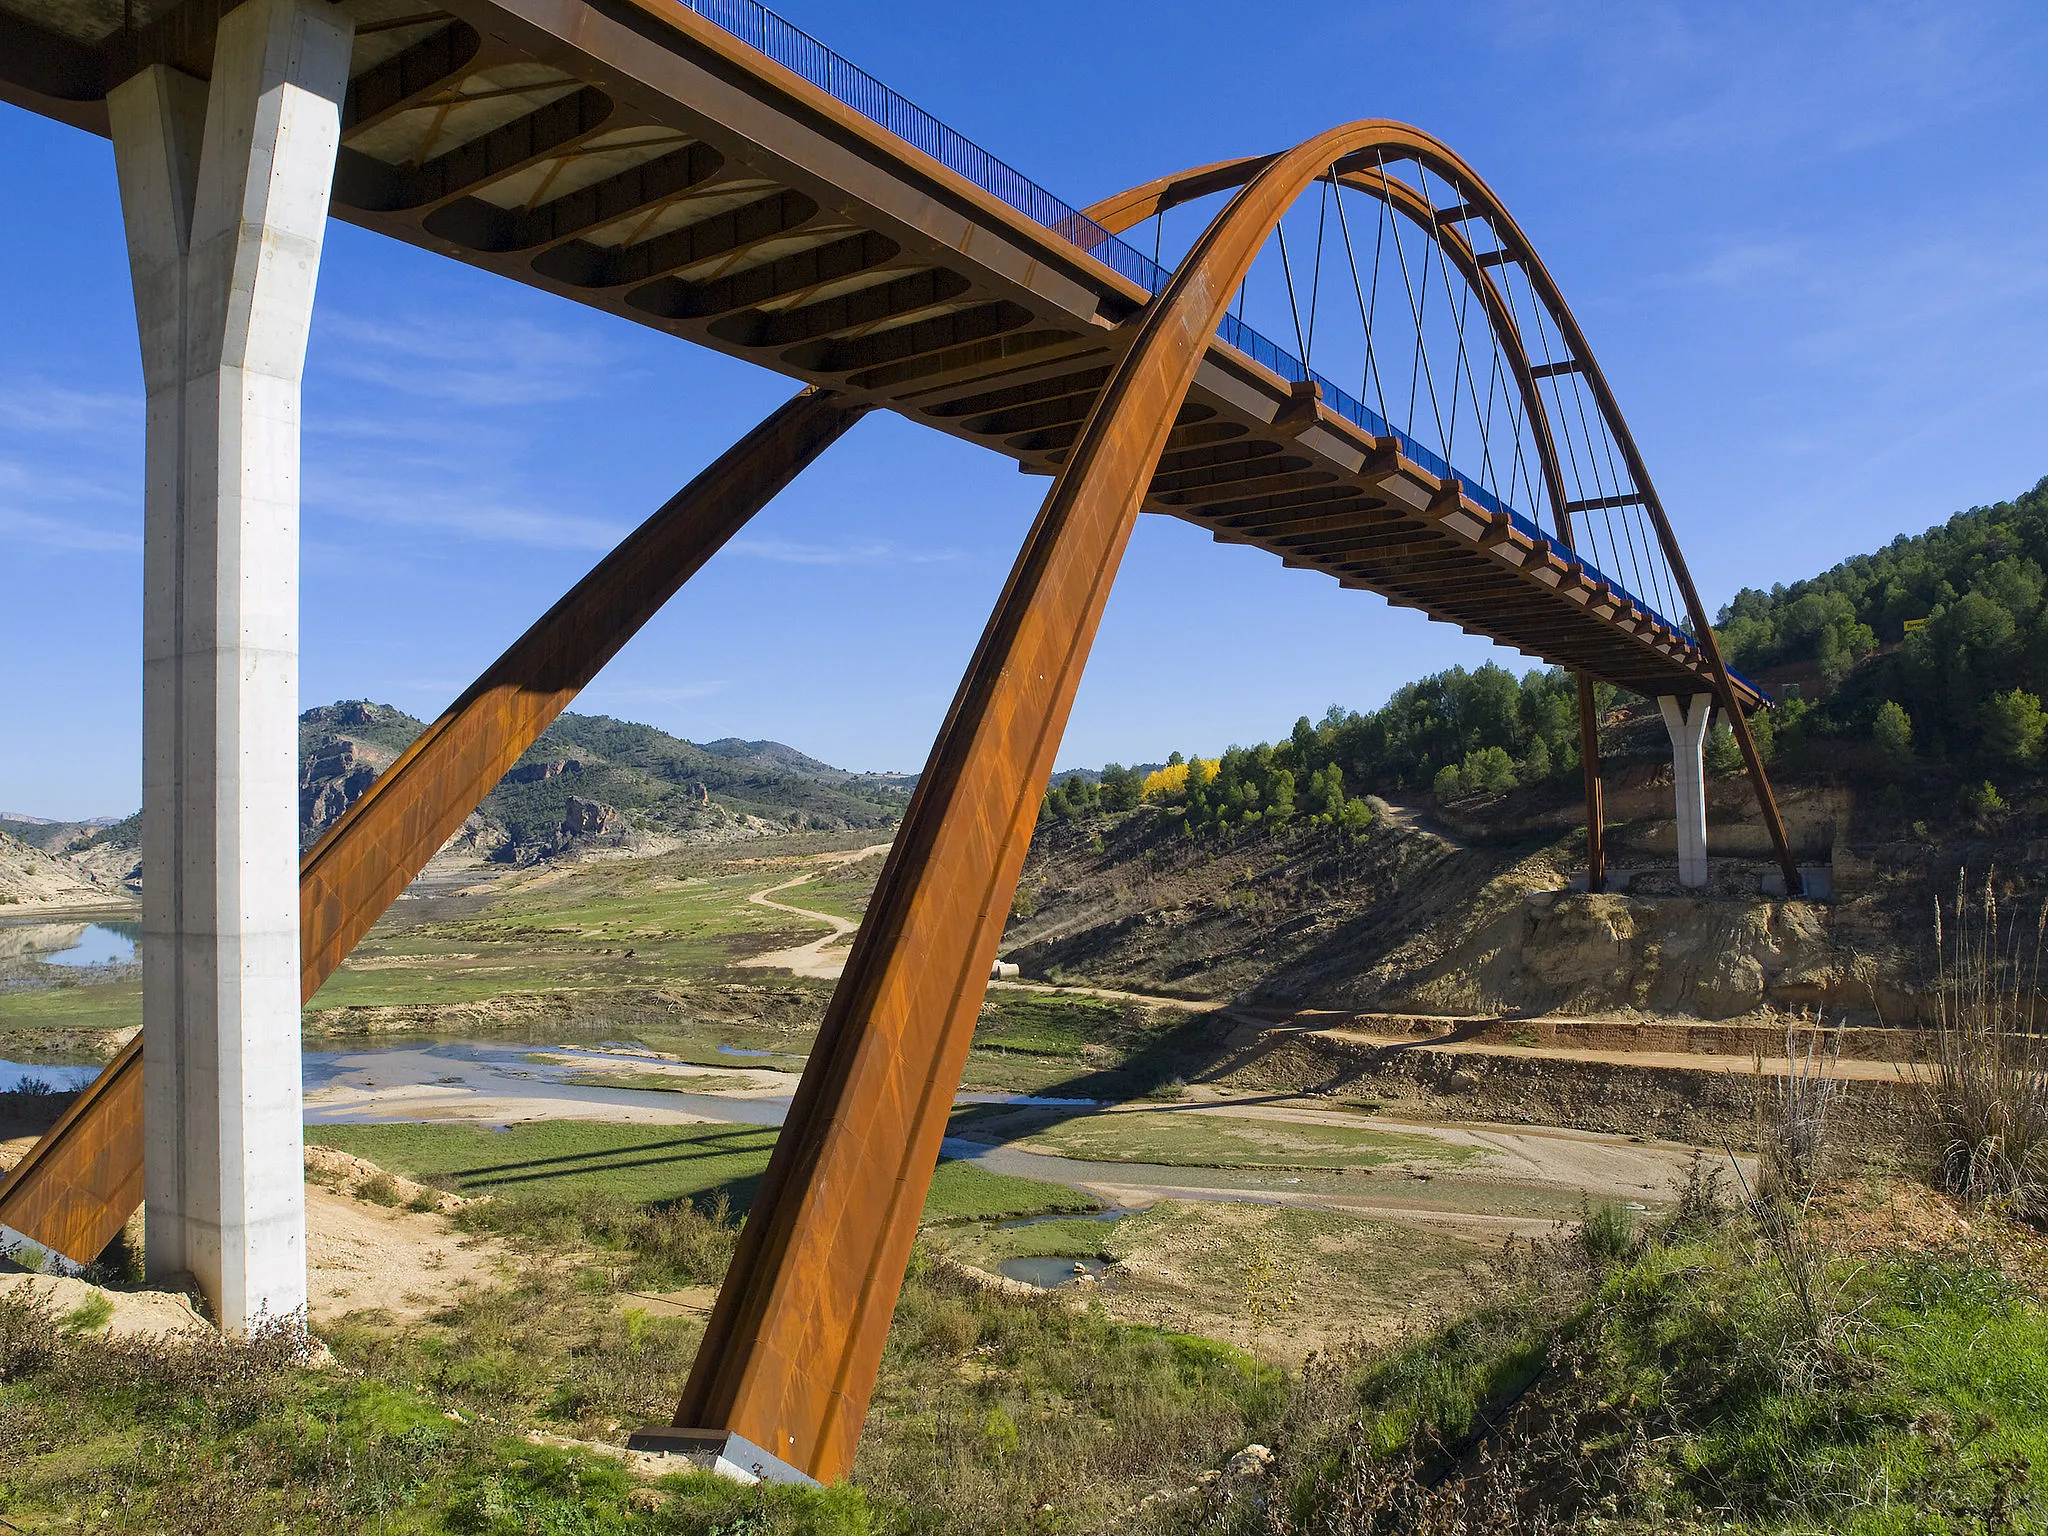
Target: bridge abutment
x: 1686, y: 721
x: 224, y: 193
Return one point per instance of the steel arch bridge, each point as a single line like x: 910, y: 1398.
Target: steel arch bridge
x: 706, y: 170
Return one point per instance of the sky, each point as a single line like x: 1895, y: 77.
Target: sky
x: 1808, y: 243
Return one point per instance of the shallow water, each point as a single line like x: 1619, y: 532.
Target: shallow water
x: 1049, y: 1274
x: 497, y: 1070
x: 100, y: 944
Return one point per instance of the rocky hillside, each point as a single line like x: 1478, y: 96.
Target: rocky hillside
x: 592, y: 784
x: 1464, y: 907
x: 69, y: 864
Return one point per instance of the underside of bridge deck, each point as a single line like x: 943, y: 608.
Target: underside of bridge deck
x: 636, y: 158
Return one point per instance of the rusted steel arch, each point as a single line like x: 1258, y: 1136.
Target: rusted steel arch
x: 79, y: 1184
x: 789, y: 1358
x: 1133, y: 206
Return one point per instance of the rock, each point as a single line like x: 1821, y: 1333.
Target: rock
x: 536, y: 773
x: 1252, y: 1461
x: 589, y: 818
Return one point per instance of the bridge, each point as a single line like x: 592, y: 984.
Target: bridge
x: 707, y: 170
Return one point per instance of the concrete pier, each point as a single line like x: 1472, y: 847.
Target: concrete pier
x: 1688, y: 729
x: 224, y: 193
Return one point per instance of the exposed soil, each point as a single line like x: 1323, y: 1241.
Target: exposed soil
x: 825, y: 958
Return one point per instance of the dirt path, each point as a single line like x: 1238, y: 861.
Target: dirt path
x: 817, y: 958
x: 362, y: 1256
x: 1684, y: 1061
x: 1192, y: 1005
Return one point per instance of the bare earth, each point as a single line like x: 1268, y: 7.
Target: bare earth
x: 818, y: 958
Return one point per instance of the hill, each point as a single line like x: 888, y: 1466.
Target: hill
x: 1417, y: 857
x: 592, y: 782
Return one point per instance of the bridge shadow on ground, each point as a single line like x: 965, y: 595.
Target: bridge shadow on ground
x: 1208, y: 1049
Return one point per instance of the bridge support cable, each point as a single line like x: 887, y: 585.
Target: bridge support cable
x: 78, y: 1185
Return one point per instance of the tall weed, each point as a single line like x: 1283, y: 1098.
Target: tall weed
x: 1984, y: 1095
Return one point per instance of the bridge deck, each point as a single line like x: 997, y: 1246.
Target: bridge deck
x: 639, y: 157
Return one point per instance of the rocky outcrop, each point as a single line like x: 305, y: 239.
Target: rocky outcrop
x: 538, y: 773
x: 589, y: 818
x: 332, y: 777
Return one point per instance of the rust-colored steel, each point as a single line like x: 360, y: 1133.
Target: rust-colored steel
x: 1138, y: 203
x: 384, y: 840
x: 789, y: 1358
x: 80, y: 1182
x: 1596, y: 810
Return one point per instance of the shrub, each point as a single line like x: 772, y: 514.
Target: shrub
x: 2013, y: 726
x: 1980, y: 799
x: 1723, y: 756
x: 1893, y: 732
x: 1607, y: 1232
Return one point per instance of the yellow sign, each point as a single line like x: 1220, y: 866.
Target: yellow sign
x: 1913, y: 624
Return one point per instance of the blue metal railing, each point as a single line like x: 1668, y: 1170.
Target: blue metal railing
x: 796, y: 50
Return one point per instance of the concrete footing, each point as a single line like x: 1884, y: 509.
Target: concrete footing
x: 224, y: 195
x: 720, y: 1451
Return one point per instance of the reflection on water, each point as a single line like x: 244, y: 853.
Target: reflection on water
x: 101, y: 944
x: 457, y: 1070
x: 86, y: 952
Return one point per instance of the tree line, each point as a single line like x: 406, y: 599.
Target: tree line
x: 1934, y: 647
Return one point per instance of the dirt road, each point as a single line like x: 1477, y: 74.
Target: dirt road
x: 819, y: 958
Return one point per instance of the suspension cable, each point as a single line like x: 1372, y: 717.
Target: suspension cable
x: 1287, y: 271
x: 1418, y: 369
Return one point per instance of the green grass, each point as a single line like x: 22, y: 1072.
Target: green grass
x: 100, y: 1005
x: 647, y: 1165
x: 205, y: 1439
x: 1186, y: 1139
x: 1039, y: 1024
x: 1687, y: 1385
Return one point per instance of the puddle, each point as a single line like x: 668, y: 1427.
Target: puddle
x: 1050, y: 1274
x: 741, y: 1050
x: 100, y: 944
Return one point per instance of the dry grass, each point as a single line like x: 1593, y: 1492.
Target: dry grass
x: 1984, y: 1093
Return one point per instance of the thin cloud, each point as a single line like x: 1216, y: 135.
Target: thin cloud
x: 472, y: 516
x: 796, y: 552
x: 65, y: 533
x: 473, y: 362
x: 36, y: 405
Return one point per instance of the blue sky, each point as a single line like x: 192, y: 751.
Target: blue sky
x: 1806, y: 243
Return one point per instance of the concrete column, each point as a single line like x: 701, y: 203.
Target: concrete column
x: 224, y: 190
x: 1688, y: 728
